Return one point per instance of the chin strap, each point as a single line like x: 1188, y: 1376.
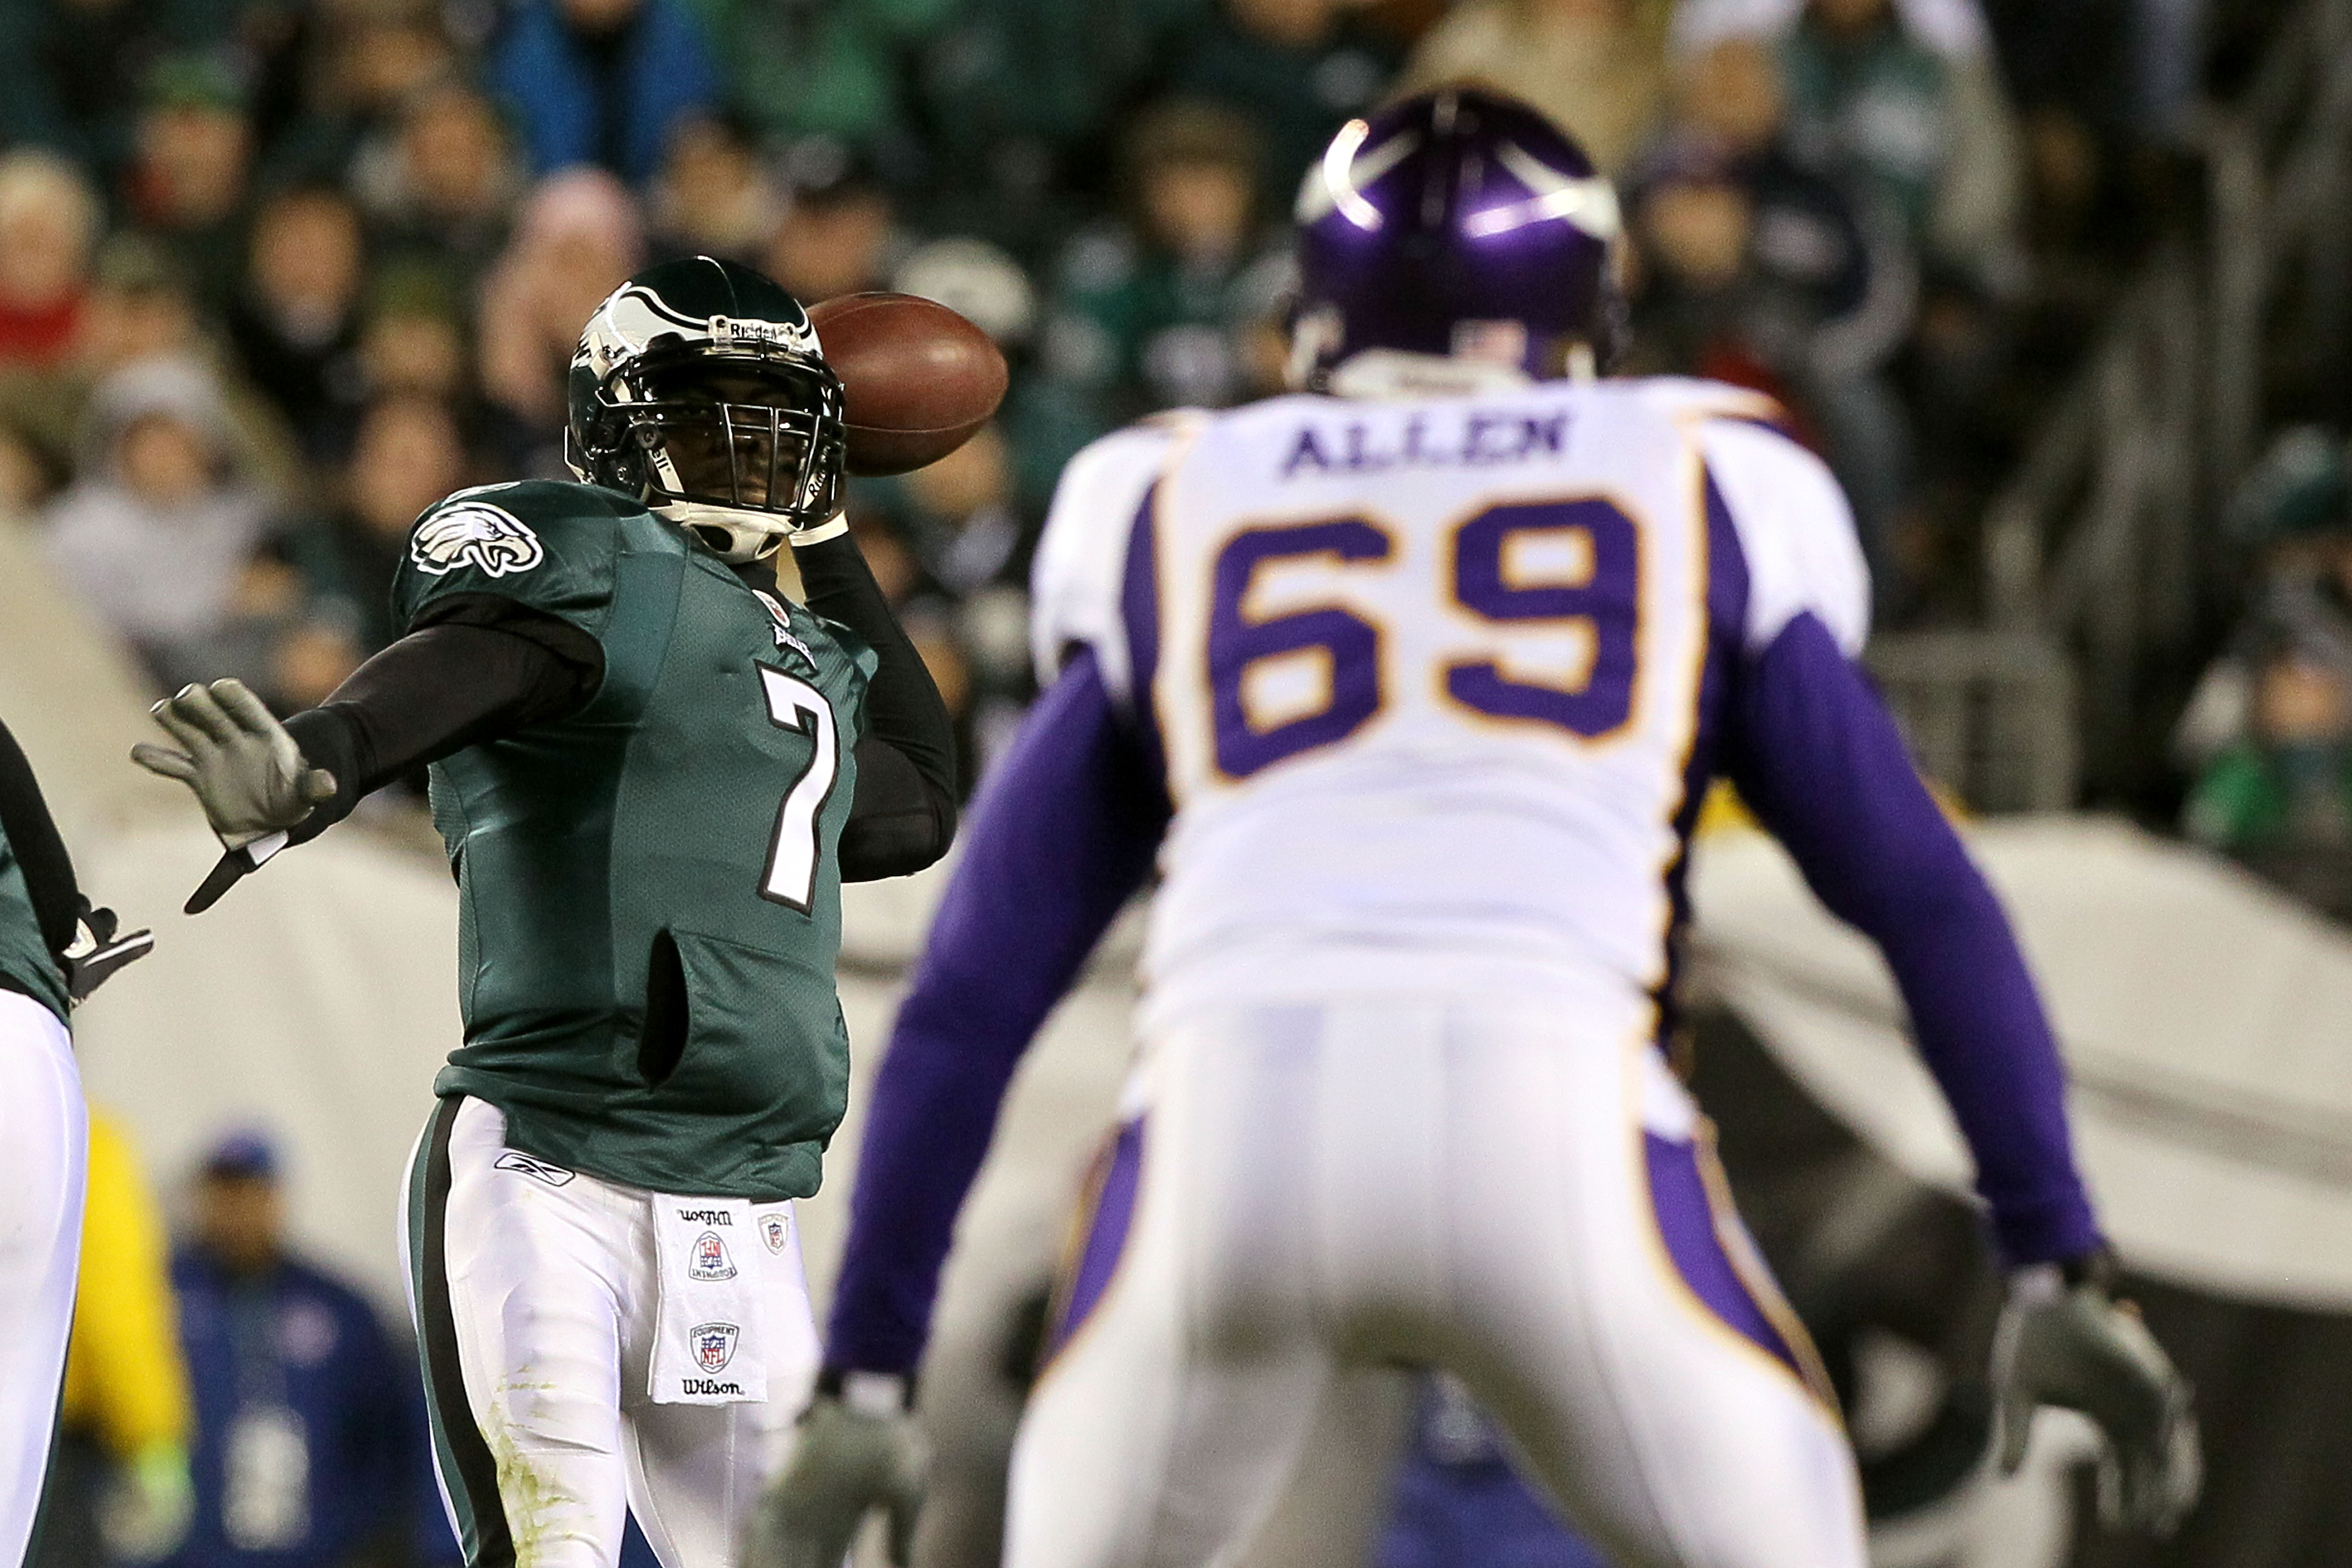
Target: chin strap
x: 751, y: 535
x: 823, y: 531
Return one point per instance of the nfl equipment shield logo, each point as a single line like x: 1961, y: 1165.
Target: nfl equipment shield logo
x: 710, y: 1260
x: 774, y: 1231
x: 714, y: 1346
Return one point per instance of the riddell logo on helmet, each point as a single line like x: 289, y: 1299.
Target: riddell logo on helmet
x: 728, y: 329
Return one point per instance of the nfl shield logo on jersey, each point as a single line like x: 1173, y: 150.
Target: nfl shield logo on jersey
x: 774, y: 1231
x: 710, y: 1260
x: 714, y: 1346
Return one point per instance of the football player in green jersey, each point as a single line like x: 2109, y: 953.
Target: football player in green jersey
x: 54, y: 951
x: 653, y: 771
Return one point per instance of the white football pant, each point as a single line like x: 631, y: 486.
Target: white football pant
x: 43, y: 1159
x: 1516, y: 1193
x: 534, y: 1291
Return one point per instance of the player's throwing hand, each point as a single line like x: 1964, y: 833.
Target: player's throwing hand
x: 245, y: 770
x: 854, y: 1455
x: 2066, y: 1341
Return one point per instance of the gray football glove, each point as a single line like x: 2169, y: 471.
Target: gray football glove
x: 855, y: 1454
x: 2074, y: 1346
x: 245, y: 770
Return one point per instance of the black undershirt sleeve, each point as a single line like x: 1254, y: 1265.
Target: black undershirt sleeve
x: 40, y: 852
x: 450, y: 685
x: 903, y: 817
x: 487, y: 666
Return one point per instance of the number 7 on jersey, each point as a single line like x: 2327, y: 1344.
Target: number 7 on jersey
x: 794, y: 704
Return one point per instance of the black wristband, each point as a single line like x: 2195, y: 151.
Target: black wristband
x: 331, y: 740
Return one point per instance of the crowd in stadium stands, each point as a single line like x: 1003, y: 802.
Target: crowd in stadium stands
x: 274, y: 274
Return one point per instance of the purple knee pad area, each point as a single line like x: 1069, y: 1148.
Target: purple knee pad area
x: 1687, y: 1221
x: 1119, y: 1175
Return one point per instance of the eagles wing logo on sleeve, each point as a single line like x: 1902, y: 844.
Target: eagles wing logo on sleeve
x: 475, y: 533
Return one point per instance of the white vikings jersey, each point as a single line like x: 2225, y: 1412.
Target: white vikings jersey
x: 1426, y: 675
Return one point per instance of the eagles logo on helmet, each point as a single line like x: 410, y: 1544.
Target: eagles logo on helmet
x: 698, y: 387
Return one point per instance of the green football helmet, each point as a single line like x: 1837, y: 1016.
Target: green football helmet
x: 700, y: 388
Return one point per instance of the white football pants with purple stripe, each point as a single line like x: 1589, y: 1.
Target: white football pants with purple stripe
x: 43, y: 1159
x: 1519, y: 1194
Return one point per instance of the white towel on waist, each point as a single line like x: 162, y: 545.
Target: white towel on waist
x: 708, y: 1347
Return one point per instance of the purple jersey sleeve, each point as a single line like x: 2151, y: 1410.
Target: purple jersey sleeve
x: 1063, y: 833
x: 1817, y: 756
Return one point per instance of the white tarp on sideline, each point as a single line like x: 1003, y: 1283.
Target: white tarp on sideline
x: 2206, y: 1020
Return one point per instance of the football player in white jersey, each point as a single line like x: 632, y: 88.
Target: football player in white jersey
x: 1413, y: 683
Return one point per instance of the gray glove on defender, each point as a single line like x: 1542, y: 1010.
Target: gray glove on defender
x: 2067, y: 1343
x: 858, y: 1450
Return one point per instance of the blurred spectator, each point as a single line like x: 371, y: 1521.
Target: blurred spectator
x: 2268, y: 731
x: 2281, y: 798
x: 1923, y: 130
x: 120, y: 1486
x: 602, y: 81
x: 982, y: 283
x: 1596, y: 67
x: 308, y: 1429
x: 1296, y: 68
x: 408, y: 455
x: 840, y: 231
x: 2294, y: 516
x: 1755, y: 269
x: 439, y: 191
x: 1030, y: 88
x: 713, y: 197
x: 979, y: 281
x: 1156, y: 311
x: 187, y: 186
x: 160, y: 523
x: 972, y: 539
x: 1953, y: 28
x: 413, y: 340
x: 364, y: 64
x: 50, y: 220
x: 71, y: 61
x: 295, y: 325
x: 822, y: 68
x: 137, y: 309
x: 578, y: 239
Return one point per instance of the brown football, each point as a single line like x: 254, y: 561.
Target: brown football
x: 920, y: 379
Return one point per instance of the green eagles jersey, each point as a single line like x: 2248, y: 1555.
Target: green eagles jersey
x: 25, y: 957
x: 668, y: 849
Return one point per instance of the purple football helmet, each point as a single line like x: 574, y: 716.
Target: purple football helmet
x: 1456, y: 222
